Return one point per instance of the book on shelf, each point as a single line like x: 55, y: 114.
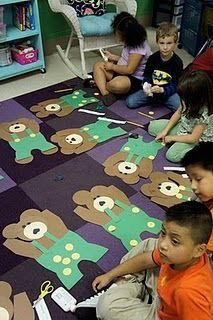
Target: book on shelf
x: 29, y: 16
x: 19, y: 16
x: 23, y: 16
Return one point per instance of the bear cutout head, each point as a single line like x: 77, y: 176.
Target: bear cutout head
x: 18, y: 127
x: 130, y: 172
x: 51, y: 107
x: 93, y: 203
x: 167, y: 188
x: 73, y: 141
x: 33, y: 226
x: 6, y: 305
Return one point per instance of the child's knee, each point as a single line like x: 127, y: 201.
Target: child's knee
x: 103, y: 307
x: 131, y: 101
x: 173, y: 156
x: 98, y: 65
x: 152, y: 128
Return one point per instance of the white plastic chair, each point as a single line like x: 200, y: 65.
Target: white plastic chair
x: 86, y: 43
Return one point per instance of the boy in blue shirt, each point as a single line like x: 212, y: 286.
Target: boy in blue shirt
x: 161, y: 73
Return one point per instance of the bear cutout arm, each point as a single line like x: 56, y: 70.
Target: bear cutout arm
x: 25, y: 249
x: 146, y: 167
x: 166, y: 202
x: 99, y: 218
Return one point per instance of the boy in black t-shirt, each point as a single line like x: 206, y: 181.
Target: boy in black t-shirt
x: 161, y: 73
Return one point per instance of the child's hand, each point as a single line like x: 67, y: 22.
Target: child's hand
x: 162, y: 136
x: 157, y: 89
x: 168, y: 139
x: 147, y: 89
x: 100, y: 282
x: 108, y: 66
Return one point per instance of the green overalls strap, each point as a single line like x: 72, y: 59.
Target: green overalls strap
x: 76, y: 99
x: 130, y: 223
x: 101, y: 132
x: 65, y: 254
x: 139, y: 149
x: 24, y: 146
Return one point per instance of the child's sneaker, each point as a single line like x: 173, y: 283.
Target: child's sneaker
x: 92, y: 301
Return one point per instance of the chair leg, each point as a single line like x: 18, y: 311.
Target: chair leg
x: 69, y: 45
x: 83, y: 63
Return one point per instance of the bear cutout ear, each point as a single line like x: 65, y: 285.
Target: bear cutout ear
x: 30, y: 213
x: 158, y: 177
x: 81, y: 197
x: 5, y: 289
x: 10, y: 232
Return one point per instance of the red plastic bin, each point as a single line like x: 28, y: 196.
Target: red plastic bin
x: 25, y: 58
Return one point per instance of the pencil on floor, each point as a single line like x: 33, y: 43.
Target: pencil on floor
x: 146, y: 115
x: 63, y: 90
x: 135, y: 124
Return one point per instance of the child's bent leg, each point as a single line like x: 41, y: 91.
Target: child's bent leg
x: 119, y: 85
x: 156, y: 126
x: 178, y: 150
x: 101, y: 77
x: 123, y: 302
x: 173, y: 102
x: 137, y: 100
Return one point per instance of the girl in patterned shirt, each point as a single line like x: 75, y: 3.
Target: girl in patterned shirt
x: 193, y: 120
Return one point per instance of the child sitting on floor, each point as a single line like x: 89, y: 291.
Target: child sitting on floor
x: 199, y: 167
x: 161, y: 73
x: 184, y: 285
x: 123, y: 74
x: 192, y: 122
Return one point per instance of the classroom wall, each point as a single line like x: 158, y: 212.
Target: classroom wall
x: 56, y: 30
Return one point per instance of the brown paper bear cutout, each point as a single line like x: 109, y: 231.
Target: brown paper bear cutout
x: 15, y: 131
x: 98, y: 198
x: 20, y: 309
x: 20, y: 235
x: 117, y: 166
x: 167, y: 188
x: 73, y: 141
x: 51, y: 107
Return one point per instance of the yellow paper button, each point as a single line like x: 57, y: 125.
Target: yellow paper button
x: 126, y: 148
x: 135, y: 210
x: 80, y: 104
x: 74, y: 97
x: 67, y: 271
x: 57, y: 259
x: 151, y: 224
x: 86, y: 129
x: 151, y: 157
x: 182, y: 188
x: 69, y: 247
x: 66, y: 260
x: 133, y: 243
x: 32, y: 135
x: 84, y: 101
x: 17, y: 140
x: 75, y: 256
x: 77, y: 93
x: 179, y: 196
x: 96, y: 137
x: 111, y: 228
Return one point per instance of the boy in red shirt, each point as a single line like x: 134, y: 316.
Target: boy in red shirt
x: 185, y: 281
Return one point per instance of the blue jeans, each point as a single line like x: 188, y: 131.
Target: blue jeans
x: 139, y: 99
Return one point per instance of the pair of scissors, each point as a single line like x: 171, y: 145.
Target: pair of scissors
x: 45, y: 289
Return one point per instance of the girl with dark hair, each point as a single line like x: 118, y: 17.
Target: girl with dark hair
x: 193, y: 120
x: 123, y: 74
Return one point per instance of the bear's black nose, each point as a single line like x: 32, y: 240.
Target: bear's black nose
x: 35, y: 231
x: 127, y: 168
x: 168, y: 188
x: 16, y: 127
x: 102, y: 203
x: 73, y: 139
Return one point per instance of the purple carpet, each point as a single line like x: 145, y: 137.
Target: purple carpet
x: 49, y: 182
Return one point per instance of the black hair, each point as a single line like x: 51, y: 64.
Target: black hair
x: 133, y: 34
x: 194, y: 215
x: 195, y: 89
x: 201, y: 154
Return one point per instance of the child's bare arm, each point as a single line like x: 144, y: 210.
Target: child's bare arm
x: 133, y: 62
x: 172, y: 122
x: 188, y: 138
x: 112, y: 57
x: 133, y: 265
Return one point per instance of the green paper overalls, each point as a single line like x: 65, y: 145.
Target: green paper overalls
x: 140, y: 149
x: 24, y: 146
x: 101, y: 132
x: 130, y: 223
x: 65, y: 254
x: 76, y: 99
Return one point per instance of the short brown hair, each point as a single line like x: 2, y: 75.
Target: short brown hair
x: 167, y: 29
